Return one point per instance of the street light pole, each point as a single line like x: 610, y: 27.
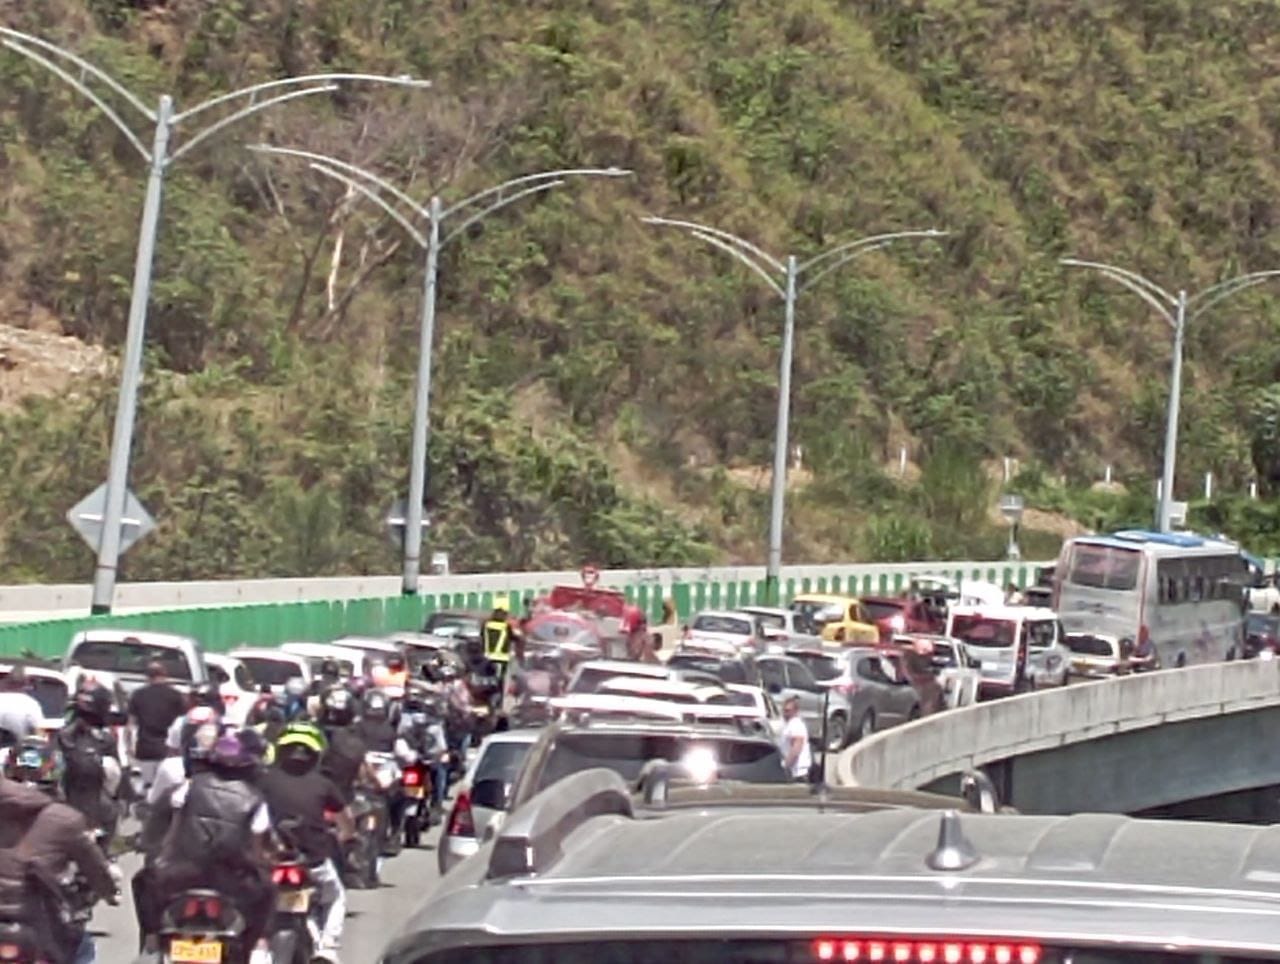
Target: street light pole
x: 791, y: 273
x: 1178, y: 311
x: 392, y: 200
x: 57, y: 60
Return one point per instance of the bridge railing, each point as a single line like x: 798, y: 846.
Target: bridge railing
x: 911, y: 757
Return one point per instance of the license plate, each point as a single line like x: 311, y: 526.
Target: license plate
x: 195, y: 952
x: 415, y: 793
x: 294, y: 901
x: 1080, y: 664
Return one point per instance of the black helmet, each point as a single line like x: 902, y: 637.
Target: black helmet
x: 93, y: 705
x: 329, y: 668
x: 376, y: 705
x: 337, y: 708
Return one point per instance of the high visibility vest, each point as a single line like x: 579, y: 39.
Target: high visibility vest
x: 497, y: 641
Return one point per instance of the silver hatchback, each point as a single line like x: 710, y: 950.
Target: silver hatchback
x: 482, y: 793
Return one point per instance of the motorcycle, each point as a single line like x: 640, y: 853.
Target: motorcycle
x: 387, y: 797
x: 415, y: 783
x: 202, y: 927
x: 291, y: 939
x: 19, y: 943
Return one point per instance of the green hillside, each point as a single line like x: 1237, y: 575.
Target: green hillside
x: 605, y: 389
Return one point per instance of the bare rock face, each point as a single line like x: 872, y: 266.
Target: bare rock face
x: 40, y: 363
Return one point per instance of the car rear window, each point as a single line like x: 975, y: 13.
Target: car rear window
x: 270, y: 672
x: 753, y: 761
x: 130, y: 658
x: 50, y: 693
x: 727, y: 671
x: 723, y: 624
x: 1104, y: 567
x: 1089, y: 646
x: 501, y: 761
x: 443, y: 624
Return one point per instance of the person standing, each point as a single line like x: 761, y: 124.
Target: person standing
x: 797, y: 757
x: 20, y: 714
x: 152, y: 709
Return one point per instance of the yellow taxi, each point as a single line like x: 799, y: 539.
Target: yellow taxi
x: 840, y: 619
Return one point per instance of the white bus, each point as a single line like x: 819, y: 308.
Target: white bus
x: 1175, y: 594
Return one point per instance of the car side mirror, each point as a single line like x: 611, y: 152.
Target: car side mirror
x: 492, y: 794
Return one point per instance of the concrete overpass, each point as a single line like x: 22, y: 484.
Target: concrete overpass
x: 1125, y: 745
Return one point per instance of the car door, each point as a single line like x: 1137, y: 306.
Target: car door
x: 903, y: 697
x: 802, y: 685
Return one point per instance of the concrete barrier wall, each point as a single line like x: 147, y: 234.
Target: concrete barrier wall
x: 912, y: 756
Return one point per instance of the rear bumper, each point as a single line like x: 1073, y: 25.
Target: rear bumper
x: 452, y: 851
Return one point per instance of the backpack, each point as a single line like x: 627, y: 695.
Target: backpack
x: 29, y: 895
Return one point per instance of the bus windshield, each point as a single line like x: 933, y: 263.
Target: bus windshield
x: 1104, y: 567
x: 983, y: 630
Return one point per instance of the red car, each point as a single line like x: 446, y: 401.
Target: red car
x: 893, y: 615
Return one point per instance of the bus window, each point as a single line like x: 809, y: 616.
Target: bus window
x: 1104, y: 567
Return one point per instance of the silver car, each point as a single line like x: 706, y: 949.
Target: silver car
x: 482, y: 793
x: 864, y: 693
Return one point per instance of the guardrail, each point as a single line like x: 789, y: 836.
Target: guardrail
x: 221, y: 626
x: 911, y: 757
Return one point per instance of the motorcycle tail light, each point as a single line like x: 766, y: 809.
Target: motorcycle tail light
x: 461, y: 823
x: 212, y: 908
x: 288, y: 875
x: 412, y: 777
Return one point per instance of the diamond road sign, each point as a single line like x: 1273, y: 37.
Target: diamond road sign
x: 396, y: 520
x: 86, y: 518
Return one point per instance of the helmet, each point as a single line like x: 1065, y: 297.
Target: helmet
x: 93, y: 705
x: 295, y: 687
x: 501, y: 604
x: 231, y: 753
x: 36, y: 762
x: 300, y: 746
x: 329, y: 668
x: 337, y: 707
x: 376, y: 705
x: 206, y: 694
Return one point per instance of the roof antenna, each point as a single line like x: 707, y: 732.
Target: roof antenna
x: 818, y: 775
x: 954, y: 852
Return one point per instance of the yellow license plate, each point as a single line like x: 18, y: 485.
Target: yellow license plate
x: 416, y: 793
x: 294, y: 901
x: 195, y: 952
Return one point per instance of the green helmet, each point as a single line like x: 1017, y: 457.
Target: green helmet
x: 303, y: 734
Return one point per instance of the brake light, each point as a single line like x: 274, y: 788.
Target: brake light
x: 461, y: 823
x: 845, y: 688
x: 925, y: 952
x: 288, y: 875
x: 412, y: 777
x: 10, y: 952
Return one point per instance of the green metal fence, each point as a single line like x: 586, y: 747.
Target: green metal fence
x: 268, y: 624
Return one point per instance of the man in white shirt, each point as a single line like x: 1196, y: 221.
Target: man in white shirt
x: 797, y: 757
x: 20, y: 714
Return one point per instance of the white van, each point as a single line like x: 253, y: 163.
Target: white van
x: 1019, y: 648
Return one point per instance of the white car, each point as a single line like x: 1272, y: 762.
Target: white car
x: 778, y: 627
x: 48, y: 687
x: 588, y: 676
x: 721, y: 631
x: 667, y: 690
x: 765, y: 706
x: 235, y: 686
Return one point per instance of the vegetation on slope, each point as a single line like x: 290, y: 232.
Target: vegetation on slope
x: 283, y: 323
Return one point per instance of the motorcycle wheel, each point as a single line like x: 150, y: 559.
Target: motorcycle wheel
x: 412, y: 832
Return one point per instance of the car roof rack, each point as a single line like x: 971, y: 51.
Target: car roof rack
x: 530, y: 841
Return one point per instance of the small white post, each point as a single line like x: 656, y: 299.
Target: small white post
x: 1253, y: 490
x: 902, y: 462
x: 1008, y: 462
x: 1108, y: 475
x: 1208, y: 486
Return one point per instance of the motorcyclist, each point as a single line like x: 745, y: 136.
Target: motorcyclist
x: 374, y: 726
x: 203, y: 697
x: 92, y: 771
x: 219, y: 840
x: 329, y: 677
x: 41, y: 841
x: 305, y: 805
x: 343, y: 760
x: 421, y: 738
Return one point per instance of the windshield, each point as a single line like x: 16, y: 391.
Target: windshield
x: 130, y: 658
x: 983, y: 631
x: 754, y: 761
x: 501, y: 761
x: 722, y: 624
x: 1104, y: 567
x: 771, y: 620
x: 877, y: 611
x: 1090, y: 646
x: 269, y: 672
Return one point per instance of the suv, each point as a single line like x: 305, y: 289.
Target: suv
x: 586, y: 872
x: 728, y: 669
x: 625, y: 746
x: 863, y: 689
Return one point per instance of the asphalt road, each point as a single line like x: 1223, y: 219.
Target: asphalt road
x: 373, y: 916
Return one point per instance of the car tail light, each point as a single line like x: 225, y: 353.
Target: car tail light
x: 10, y: 952
x: 925, y: 951
x: 288, y: 875
x: 846, y: 688
x: 412, y: 777
x: 461, y: 823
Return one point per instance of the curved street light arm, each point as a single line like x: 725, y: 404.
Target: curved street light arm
x: 876, y: 241
x: 745, y: 258
x: 725, y: 236
x: 375, y: 197
x: 1140, y: 291
x: 326, y: 79
x: 500, y: 203
x: 83, y: 89
x: 360, y: 172
x: 530, y: 178
x: 244, y: 112
x: 1170, y: 300
x: 17, y: 39
x: 1225, y: 289
x: 850, y: 253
